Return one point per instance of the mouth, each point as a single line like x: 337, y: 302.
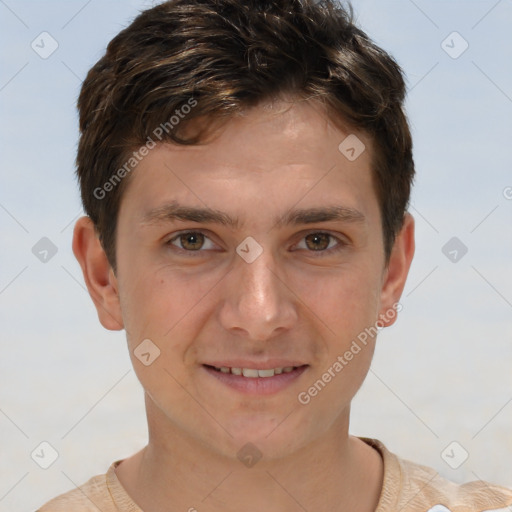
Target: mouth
x: 256, y: 381
x: 253, y: 373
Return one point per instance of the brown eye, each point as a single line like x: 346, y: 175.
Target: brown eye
x: 321, y: 244
x: 318, y: 241
x: 191, y: 241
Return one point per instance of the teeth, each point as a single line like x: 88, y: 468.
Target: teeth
x: 266, y: 373
x: 253, y: 373
x: 248, y: 372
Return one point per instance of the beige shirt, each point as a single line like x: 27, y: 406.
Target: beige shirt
x: 407, y: 487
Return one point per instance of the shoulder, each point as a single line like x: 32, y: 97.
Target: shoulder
x: 92, y: 496
x: 443, y: 495
x: 413, y: 487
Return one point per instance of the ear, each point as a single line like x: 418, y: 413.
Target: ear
x: 98, y: 274
x: 396, y: 273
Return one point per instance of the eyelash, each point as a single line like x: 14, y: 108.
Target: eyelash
x: 341, y: 244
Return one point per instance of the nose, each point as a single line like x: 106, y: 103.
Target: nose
x: 258, y: 301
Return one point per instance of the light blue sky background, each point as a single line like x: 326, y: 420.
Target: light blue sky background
x: 443, y: 373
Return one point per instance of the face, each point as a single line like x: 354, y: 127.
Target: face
x: 258, y: 253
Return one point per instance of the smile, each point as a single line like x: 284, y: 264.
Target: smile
x: 253, y: 373
x: 256, y: 381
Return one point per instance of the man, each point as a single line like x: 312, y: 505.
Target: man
x: 246, y: 168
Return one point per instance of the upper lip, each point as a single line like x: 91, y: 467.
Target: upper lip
x: 255, y: 365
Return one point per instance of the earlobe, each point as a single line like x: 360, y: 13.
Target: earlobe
x: 98, y: 274
x: 396, y: 273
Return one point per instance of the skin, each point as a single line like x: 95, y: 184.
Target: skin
x: 290, y: 302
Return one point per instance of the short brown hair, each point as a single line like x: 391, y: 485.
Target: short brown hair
x: 226, y: 56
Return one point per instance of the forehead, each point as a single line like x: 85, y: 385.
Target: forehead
x: 283, y: 131
x: 278, y: 151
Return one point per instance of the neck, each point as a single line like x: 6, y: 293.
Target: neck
x: 334, y: 472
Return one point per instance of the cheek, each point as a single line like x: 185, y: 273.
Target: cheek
x: 168, y: 306
x: 342, y: 377
x: 156, y: 307
x: 345, y: 301
x: 347, y: 308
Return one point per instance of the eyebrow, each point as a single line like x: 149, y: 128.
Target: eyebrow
x: 173, y: 211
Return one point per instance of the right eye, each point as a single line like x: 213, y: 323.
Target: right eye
x: 189, y: 241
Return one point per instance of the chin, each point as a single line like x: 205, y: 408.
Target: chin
x: 270, y: 437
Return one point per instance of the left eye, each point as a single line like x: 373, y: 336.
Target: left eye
x: 320, y: 242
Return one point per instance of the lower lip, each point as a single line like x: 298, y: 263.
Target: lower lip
x: 257, y: 385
